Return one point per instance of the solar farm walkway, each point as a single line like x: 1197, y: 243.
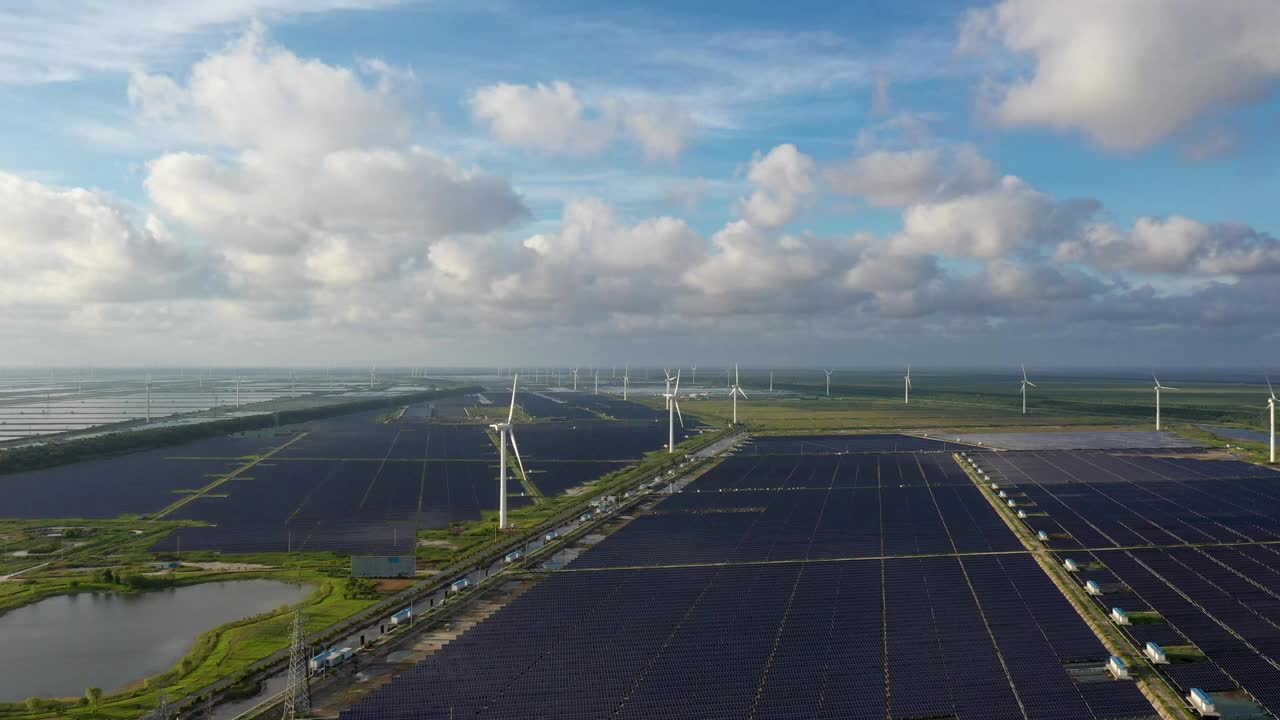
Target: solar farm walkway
x: 1191, y: 546
x: 783, y: 586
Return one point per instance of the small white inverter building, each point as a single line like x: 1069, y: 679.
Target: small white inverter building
x: 1118, y: 668
x: 1070, y: 565
x: 1092, y: 588
x: 1202, y: 703
x: 1120, y: 617
x: 1155, y: 654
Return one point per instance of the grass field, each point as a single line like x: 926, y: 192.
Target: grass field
x: 1235, y: 401
x: 219, y: 653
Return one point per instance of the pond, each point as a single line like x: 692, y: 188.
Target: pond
x: 59, y: 646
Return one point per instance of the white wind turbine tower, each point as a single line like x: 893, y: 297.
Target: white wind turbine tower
x: 673, y: 409
x: 695, y: 375
x: 734, y: 392
x: 1159, y: 387
x: 597, y: 382
x: 370, y: 378
x: 770, y: 381
x: 906, y: 392
x: 828, y: 372
x: 1271, y: 406
x: 626, y: 379
x: 1025, y: 384
x: 506, y: 434
x: 575, y: 379
x: 148, y: 398
x: 237, y: 391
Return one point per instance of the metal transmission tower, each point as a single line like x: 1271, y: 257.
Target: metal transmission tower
x: 297, y: 696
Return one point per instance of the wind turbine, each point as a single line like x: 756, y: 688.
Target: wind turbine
x: 673, y: 409
x: 1025, y: 384
x: 148, y: 398
x: 1271, y: 405
x: 626, y: 380
x: 906, y: 392
x: 695, y: 375
x: 734, y: 392
x: 575, y: 379
x: 828, y: 372
x: 505, y: 434
x: 667, y: 374
x: 1159, y: 387
x: 597, y: 382
x: 370, y: 378
x: 770, y: 381
x: 237, y: 391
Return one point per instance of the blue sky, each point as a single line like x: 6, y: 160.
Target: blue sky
x: 1091, y: 182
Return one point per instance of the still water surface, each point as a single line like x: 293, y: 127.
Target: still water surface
x: 62, y: 645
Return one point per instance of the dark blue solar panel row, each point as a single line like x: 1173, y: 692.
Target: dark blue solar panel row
x: 1225, y: 600
x: 772, y: 472
x: 838, y: 444
x: 1220, y: 609
x: 1104, y: 501
x: 859, y: 639
x: 750, y: 525
x: 406, y: 440
x: 136, y: 484
x: 347, y: 507
x: 592, y: 439
x: 552, y: 406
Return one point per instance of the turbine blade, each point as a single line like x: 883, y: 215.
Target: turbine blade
x: 511, y: 434
x: 512, y: 412
x: 1024, y: 371
x: 735, y: 374
x: 1032, y: 384
x: 744, y: 395
x: 677, y: 387
x: 677, y: 406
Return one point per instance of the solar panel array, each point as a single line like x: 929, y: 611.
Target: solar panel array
x: 1121, y: 501
x: 838, y: 444
x: 758, y: 631
x: 1221, y: 594
x: 593, y: 439
x: 1225, y: 601
x: 365, y: 507
x: 815, y: 508
x: 858, y: 639
x: 771, y: 472
x: 362, y: 487
x: 137, y: 484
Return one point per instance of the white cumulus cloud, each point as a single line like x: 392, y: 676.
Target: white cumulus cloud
x: 784, y: 180
x: 555, y: 119
x: 1129, y: 73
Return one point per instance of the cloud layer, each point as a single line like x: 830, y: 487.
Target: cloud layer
x: 309, y: 202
